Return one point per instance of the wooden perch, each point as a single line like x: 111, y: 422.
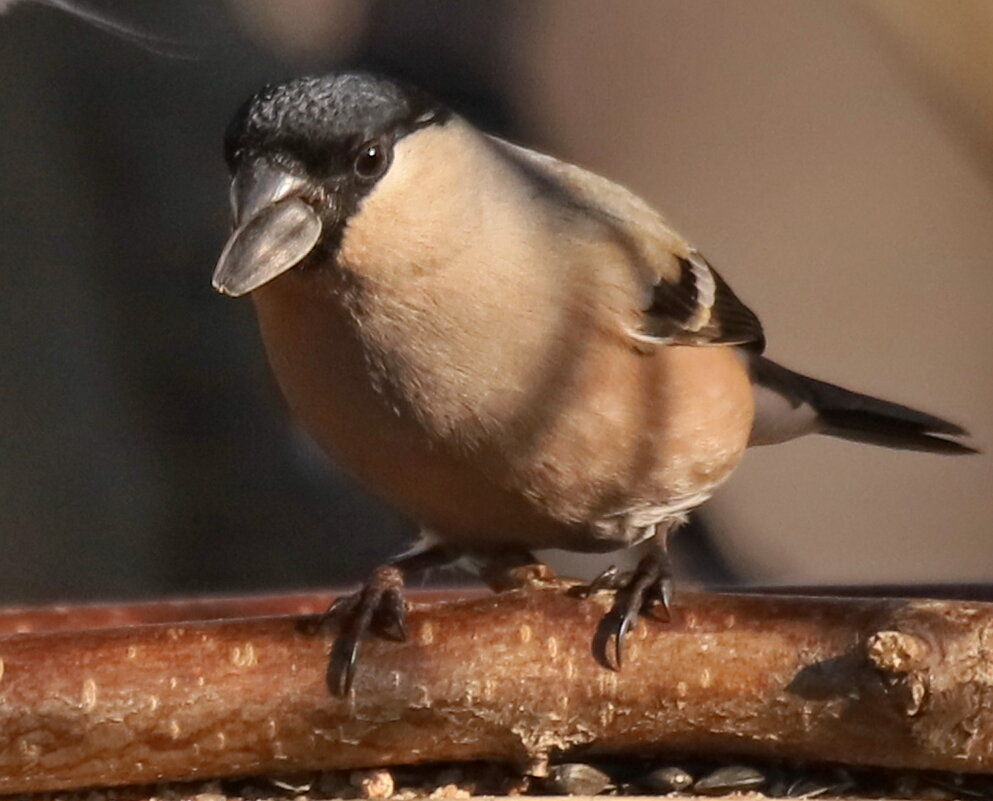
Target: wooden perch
x: 512, y: 677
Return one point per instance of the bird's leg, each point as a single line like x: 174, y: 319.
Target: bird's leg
x: 639, y: 591
x: 378, y: 605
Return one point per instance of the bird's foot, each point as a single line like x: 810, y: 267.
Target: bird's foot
x: 379, y: 606
x: 645, y: 589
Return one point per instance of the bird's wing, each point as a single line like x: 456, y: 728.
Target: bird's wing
x: 699, y: 308
x: 684, y: 300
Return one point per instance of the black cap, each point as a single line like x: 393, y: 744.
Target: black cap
x: 317, y: 119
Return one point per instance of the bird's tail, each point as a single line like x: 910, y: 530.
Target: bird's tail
x: 788, y: 405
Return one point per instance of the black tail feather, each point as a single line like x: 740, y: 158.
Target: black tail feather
x: 862, y: 418
x: 875, y: 428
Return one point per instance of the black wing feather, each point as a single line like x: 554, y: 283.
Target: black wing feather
x: 701, y: 309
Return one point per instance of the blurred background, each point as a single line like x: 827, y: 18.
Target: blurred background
x: 833, y: 160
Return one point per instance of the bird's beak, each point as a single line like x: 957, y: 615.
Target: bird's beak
x: 274, y: 228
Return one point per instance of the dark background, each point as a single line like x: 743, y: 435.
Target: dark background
x: 832, y: 159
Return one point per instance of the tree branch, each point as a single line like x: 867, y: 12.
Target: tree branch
x: 511, y: 678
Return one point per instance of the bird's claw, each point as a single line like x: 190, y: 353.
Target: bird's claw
x: 378, y: 606
x: 645, y: 589
x: 610, y: 579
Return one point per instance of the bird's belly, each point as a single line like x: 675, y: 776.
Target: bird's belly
x: 640, y: 439
x: 626, y: 436
x: 322, y: 368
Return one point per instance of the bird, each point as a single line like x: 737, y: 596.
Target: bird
x: 513, y: 351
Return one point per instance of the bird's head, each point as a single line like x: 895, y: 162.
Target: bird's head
x: 303, y: 155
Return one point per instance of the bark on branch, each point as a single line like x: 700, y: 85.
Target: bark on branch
x: 511, y: 677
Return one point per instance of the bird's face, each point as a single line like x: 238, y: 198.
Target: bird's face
x: 303, y: 155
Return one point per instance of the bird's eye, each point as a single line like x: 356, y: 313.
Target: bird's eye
x: 371, y: 161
